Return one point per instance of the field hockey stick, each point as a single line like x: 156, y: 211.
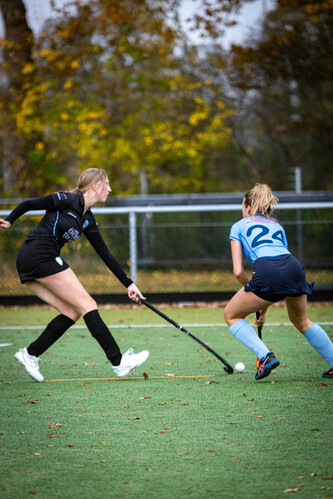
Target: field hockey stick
x: 227, y: 367
x: 259, y: 327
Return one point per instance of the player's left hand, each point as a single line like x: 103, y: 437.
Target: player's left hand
x: 262, y: 317
x: 134, y: 293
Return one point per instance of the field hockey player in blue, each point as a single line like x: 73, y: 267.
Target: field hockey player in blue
x: 277, y: 275
x: 46, y: 274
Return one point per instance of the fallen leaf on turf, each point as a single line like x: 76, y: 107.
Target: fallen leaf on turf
x: 232, y: 423
x: 55, y: 424
x: 211, y: 382
x: 159, y: 433
x: 321, y: 384
x: 293, y: 489
x: 260, y: 416
x: 132, y: 419
x: 145, y: 375
x: 32, y: 401
x: 37, y: 453
x: 70, y: 445
x: 234, y: 460
x: 23, y: 395
x: 315, y: 429
x: 250, y: 467
x: 181, y: 453
x: 327, y: 477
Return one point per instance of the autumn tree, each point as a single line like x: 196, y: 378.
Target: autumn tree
x: 111, y: 85
x: 17, y: 53
x: 285, y: 93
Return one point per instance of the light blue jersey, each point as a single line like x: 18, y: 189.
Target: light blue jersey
x: 260, y: 237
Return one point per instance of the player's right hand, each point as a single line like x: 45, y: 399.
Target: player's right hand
x: 4, y: 224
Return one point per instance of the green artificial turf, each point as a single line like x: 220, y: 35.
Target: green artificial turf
x: 188, y: 430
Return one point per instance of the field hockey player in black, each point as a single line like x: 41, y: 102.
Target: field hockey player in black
x: 277, y: 275
x: 42, y: 269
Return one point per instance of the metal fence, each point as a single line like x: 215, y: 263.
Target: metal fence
x: 173, y: 248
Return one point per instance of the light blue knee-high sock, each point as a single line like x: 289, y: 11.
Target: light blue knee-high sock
x: 319, y: 340
x: 247, y: 335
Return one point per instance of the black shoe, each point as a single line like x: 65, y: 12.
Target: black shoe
x: 267, y: 365
x: 328, y: 374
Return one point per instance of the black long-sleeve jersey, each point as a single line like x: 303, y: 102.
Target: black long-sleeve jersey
x: 65, y: 221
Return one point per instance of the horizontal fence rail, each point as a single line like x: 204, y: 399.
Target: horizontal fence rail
x: 187, y: 208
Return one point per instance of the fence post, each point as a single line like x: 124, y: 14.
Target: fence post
x: 133, y: 246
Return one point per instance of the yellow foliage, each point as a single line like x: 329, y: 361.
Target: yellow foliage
x: 75, y: 64
x: 197, y: 116
x: 148, y: 141
x: 28, y: 68
x: 68, y: 83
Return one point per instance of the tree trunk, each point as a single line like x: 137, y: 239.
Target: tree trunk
x: 17, y: 53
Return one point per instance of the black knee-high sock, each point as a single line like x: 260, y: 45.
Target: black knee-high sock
x: 53, y: 331
x: 101, y: 333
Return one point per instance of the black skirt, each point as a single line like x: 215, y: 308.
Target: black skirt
x: 39, y: 258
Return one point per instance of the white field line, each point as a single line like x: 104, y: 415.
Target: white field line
x: 144, y: 326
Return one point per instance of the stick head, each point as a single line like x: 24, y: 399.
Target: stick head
x: 229, y: 370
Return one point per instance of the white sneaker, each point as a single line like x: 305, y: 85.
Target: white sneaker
x: 130, y: 361
x: 30, y: 364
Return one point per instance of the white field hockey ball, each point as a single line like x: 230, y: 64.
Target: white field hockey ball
x: 239, y: 367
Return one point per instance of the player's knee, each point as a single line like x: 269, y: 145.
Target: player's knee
x: 302, y: 325
x: 89, y: 305
x: 227, y: 316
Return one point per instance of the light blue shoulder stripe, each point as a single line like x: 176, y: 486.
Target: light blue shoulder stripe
x: 55, y: 224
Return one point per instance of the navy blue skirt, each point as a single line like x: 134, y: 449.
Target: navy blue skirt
x: 275, y: 278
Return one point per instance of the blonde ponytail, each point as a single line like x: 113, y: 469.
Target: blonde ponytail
x: 88, y: 178
x: 261, y: 200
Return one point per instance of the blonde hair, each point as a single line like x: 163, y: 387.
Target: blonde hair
x: 261, y: 200
x: 88, y: 178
